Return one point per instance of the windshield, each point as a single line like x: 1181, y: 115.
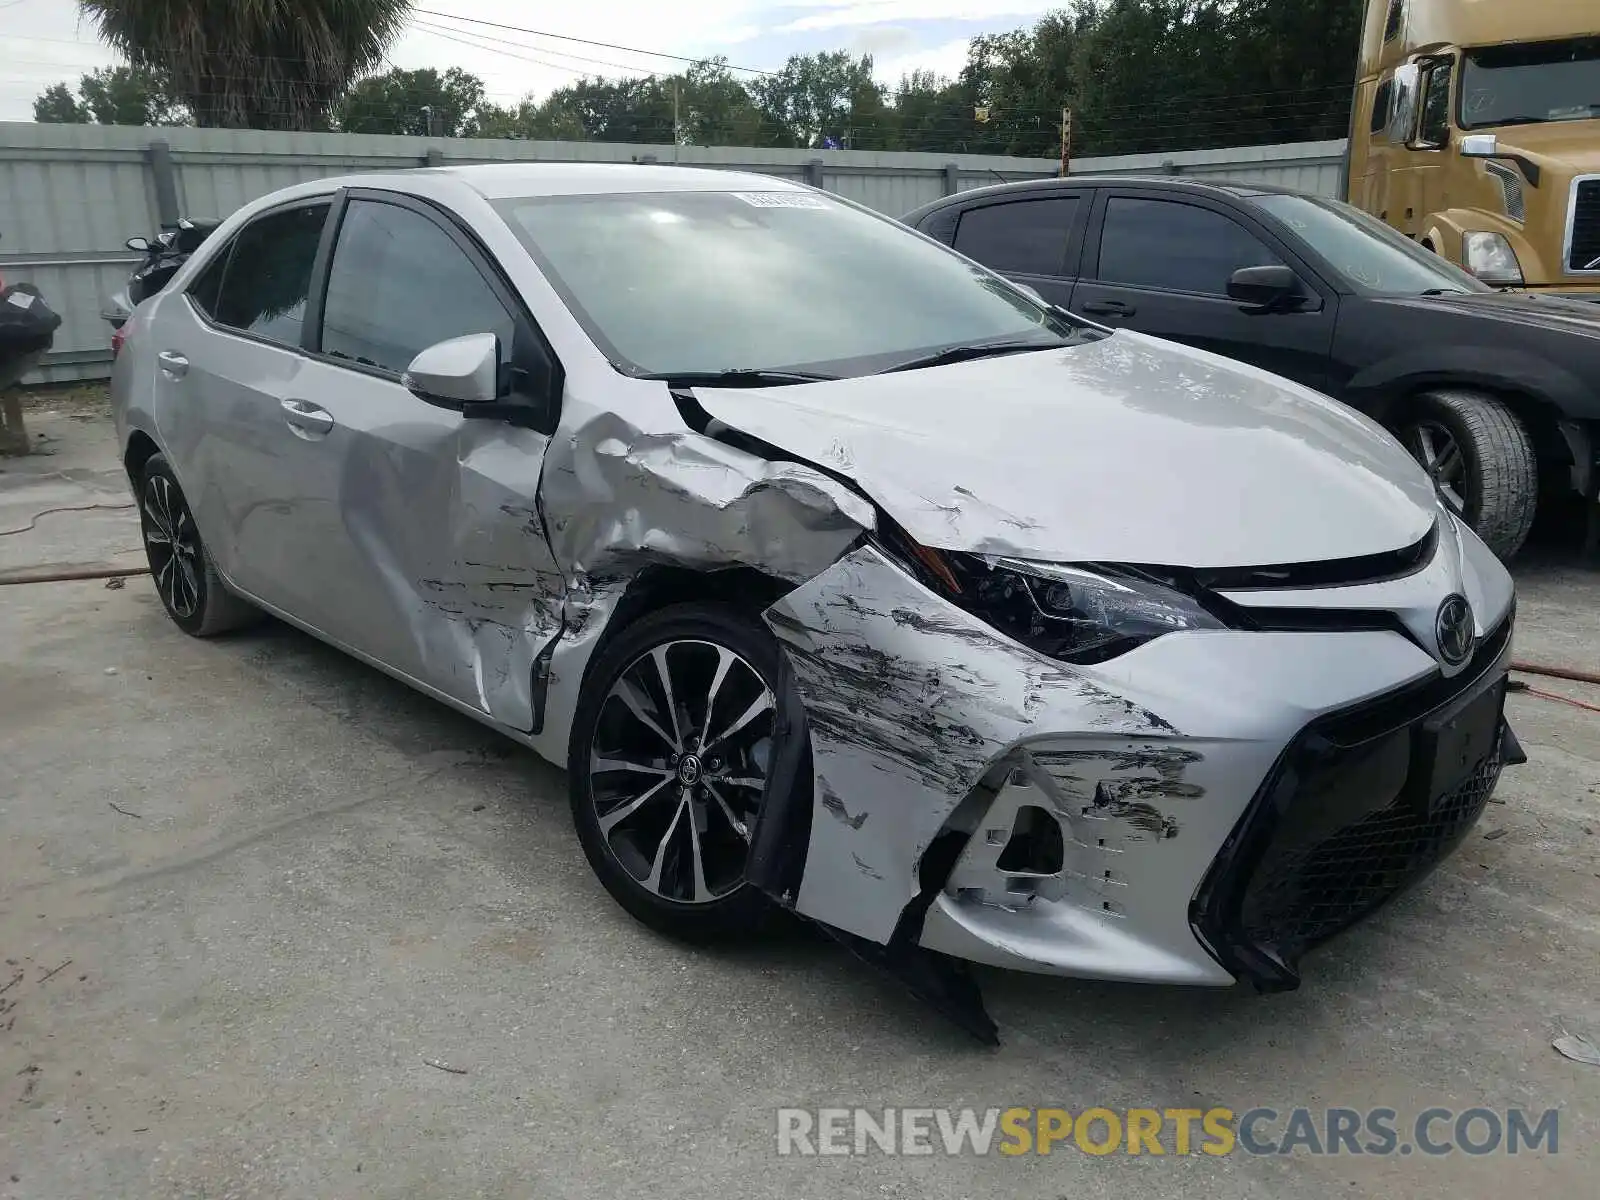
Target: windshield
x: 1365, y: 250
x: 1534, y: 81
x: 703, y: 282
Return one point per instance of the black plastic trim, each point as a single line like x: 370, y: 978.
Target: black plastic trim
x: 1338, y: 572
x: 1216, y: 911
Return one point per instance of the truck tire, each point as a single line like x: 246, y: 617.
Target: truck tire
x: 1481, y: 459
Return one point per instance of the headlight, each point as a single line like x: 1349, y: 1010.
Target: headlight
x: 1490, y: 257
x: 1075, y: 614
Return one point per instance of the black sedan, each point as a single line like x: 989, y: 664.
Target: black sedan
x: 1492, y: 391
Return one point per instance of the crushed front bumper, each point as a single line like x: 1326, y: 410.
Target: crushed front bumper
x: 1181, y: 814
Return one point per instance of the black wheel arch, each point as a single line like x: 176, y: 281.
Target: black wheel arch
x: 1543, y: 396
x: 141, y: 448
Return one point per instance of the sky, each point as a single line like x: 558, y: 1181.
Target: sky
x: 44, y: 41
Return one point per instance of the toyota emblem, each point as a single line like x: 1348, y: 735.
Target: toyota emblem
x: 1453, y: 630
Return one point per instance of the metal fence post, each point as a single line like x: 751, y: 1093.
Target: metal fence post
x: 158, y: 155
x: 952, y: 178
x: 813, y: 173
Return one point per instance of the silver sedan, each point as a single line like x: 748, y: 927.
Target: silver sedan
x: 844, y: 576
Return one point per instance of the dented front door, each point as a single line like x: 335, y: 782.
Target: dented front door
x: 438, y: 566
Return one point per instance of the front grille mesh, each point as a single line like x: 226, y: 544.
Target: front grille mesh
x: 1511, y: 191
x: 1585, y: 253
x: 1302, y: 894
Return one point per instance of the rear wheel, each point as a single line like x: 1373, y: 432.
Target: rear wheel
x: 1481, y: 460
x: 191, y: 591
x: 671, y: 748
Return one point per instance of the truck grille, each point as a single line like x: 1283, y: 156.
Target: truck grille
x: 1338, y: 828
x: 1583, y: 254
x: 1510, y: 191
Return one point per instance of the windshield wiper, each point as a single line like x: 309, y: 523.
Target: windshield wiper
x: 738, y: 377
x: 1445, y: 292
x: 955, y: 354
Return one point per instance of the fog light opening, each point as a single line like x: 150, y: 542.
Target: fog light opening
x: 1036, y: 846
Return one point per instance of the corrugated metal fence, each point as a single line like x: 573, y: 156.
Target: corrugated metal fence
x: 70, y: 195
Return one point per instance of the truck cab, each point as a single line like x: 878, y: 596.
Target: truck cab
x: 1476, y: 132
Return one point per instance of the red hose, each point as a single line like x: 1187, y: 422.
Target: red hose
x: 1556, y: 672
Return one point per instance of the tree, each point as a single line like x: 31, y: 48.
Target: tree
x: 259, y: 64
x: 112, y: 96
x: 821, y: 99
x: 58, y: 106
x: 931, y: 113
x: 714, y: 108
x: 422, y: 103
x: 130, y: 96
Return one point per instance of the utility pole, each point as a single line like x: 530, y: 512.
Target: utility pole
x: 677, y: 130
x: 1066, y: 140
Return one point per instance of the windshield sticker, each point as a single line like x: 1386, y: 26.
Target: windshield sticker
x: 782, y: 199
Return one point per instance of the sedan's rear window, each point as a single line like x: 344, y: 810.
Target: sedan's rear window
x: 681, y: 282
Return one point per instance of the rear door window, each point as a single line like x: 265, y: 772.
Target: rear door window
x: 399, y: 284
x: 268, y: 276
x: 1027, y: 237
x: 1149, y: 243
x: 207, y: 287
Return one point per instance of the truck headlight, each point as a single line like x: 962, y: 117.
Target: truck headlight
x: 1490, y: 257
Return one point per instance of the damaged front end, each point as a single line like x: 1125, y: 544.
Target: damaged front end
x: 1088, y: 769
x: 1175, y: 796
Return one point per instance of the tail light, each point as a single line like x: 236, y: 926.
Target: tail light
x: 119, y: 338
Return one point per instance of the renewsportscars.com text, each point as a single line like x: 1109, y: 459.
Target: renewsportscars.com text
x: 1162, y: 1131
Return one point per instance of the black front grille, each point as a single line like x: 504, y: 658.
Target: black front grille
x: 1585, y: 253
x: 1339, y: 827
x: 1315, y: 881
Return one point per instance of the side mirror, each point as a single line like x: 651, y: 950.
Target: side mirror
x: 1480, y: 145
x: 1263, y: 287
x: 458, y: 373
x: 1407, y: 95
x: 1032, y: 292
x: 142, y: 245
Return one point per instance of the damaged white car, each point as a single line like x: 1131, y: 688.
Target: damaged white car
x: 846, y: 577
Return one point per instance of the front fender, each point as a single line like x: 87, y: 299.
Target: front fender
x: 1379, y: 386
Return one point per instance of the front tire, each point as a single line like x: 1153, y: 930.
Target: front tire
x: 1481, y: 460
x: 671, y: 747
x: 186, y: 579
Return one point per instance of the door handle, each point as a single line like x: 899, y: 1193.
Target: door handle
x: 307, y: 420
x: 1109, y: 308
x: 173, y: 364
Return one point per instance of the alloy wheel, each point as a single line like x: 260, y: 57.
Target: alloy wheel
x: 1435, y: 447
x: 173, y: 545
x: 678, y: 767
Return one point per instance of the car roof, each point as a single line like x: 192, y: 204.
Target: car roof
x: 1176, y: 183
x: 497, y: 181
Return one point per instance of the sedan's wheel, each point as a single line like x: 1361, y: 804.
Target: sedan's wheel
x: 668, y: 768
x: 190, y: 588
x: 1481, y: 460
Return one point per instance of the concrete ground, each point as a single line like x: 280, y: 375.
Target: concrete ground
x: 250, y: 888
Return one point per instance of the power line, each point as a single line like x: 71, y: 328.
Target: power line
x: 562, y: 37
x: 493, y: 46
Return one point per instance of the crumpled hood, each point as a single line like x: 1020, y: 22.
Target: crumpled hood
x: 1127, y: 449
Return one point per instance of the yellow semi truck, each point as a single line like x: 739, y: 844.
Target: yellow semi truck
x: 1476, y: 132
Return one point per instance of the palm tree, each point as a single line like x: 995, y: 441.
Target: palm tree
x: 255, y: 64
